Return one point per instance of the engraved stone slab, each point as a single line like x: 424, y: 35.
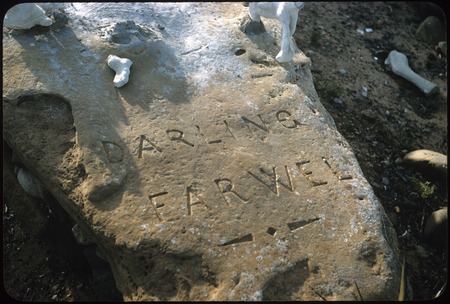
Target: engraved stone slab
x: 214, y: 174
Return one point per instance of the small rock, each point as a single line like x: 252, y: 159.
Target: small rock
x: 428, y: 162
x: 364, y: 91
x: 435, y: 231
x: 442, y: 48
x: 431, y: 30
x: 343, y: 71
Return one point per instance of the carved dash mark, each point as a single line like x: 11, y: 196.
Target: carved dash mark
x: 156, y: 205
x: 242, y: 239
x: 272, y: 231
x: 298, y: 224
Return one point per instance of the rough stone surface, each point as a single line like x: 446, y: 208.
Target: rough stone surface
x: 214, y: 174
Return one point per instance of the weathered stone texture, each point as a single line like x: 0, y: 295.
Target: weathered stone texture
x: 213, y: 174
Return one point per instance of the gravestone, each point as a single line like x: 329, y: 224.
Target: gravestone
x: 213, y: 174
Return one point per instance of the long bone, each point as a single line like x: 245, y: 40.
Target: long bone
x: 398, y: 63
x: 287, y: 14
x: 122, y: 68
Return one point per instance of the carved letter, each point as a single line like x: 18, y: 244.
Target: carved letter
x: 307, y: 174
x: 228, y: 128
x: 190, y: 200
x: 143, y: 147
x: 155, y: 205
x: 273, y: 187
x: 284, y: 116
x: 178, y: 136
x: 226, y: 186
x: 262, y: 127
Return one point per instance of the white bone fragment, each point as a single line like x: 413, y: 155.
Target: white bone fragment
x: 29, y: 183
x: 287, y: 14
x: 122, y: 68
x: 398, y: 63
x: 26, y: 15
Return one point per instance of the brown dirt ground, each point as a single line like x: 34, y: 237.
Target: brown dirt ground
x: 42, y: 262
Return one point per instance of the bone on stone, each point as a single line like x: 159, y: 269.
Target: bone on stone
x: 25, y: 16
x: 122, y: 68
x: 398, y: 63
x: 29, y: 183
x: 287, y: 14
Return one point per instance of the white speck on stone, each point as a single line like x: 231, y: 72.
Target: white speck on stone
x: 251, y: 105
x: 257, y: 296
x: 161, y: 228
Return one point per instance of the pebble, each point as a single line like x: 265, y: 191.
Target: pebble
x: 343, y: 71
x: 442, y: 47
x: 428, y: 162
x: 338, y: 101
x: 364, y: 91
x: 431, y: 30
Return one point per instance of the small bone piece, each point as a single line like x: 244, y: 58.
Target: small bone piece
x: 122, y: 68
x: 26, y: 15
x: 29, y: 183
x: 398, y: 63
x: 287, y: 14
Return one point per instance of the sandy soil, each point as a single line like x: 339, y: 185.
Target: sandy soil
x: 380, y: 114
